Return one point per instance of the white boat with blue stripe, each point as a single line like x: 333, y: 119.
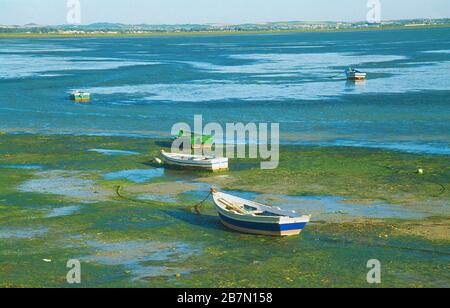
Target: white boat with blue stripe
x: 250, y: 217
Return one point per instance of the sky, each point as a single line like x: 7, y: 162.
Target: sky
x: 51, y: 12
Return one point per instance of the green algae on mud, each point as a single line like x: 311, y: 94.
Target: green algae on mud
x: 353, y: 172
x: 110, y: 235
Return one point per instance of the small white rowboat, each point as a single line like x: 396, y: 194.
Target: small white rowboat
x: 210, y: 163
x: 254, y: 218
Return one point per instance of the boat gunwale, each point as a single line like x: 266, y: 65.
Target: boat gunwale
x: 207, y: 160
x: 284, y: 217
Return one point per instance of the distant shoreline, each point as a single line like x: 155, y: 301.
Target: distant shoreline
x: 212, y: 33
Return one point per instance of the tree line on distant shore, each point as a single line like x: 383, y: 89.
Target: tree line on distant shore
x: 279, y: 26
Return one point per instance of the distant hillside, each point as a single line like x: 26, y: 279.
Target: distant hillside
x: 269, y: 26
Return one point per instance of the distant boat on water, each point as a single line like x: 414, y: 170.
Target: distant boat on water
x: 250, y: 217
x: 199, y: 162
x: 79, y: 96
x: 353, y: 74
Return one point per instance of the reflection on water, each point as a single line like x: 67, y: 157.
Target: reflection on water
x: 355, y: 84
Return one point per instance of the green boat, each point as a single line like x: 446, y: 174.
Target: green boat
x: 197, y: 141
x: 80, y: 96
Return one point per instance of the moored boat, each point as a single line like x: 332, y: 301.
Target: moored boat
x: 250, y: 217
x: 79, y: 96
x: 353, y: 74
x: 199, y: 162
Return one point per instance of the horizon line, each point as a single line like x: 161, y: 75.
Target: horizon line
x: 222, y: 23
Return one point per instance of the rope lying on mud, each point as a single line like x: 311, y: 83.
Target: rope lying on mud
x: 442, y: 190
x: 196, y: 207
x: 118, y: 190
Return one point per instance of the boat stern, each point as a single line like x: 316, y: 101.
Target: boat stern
x: 220, y: 164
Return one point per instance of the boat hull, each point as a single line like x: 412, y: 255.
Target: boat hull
x: 254, y: 218
x: 256, y: 228
x: 214, y: 165
x: 356, y: 76
x: 80, y: 97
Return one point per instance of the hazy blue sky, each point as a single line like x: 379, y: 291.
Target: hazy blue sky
x: 214, y: 11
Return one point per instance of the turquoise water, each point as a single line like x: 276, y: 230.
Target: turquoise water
x: 63, y: 211
x: 142, y: 86
x: 113, y: 152
x: 23, y: 167
x: 136, y: 176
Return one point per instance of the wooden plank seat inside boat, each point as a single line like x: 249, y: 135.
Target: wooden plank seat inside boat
x: 239, y: 210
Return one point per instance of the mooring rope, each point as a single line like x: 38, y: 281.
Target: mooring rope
x: 118, y: 190
x: 442, y: 189
x: 196, y: 207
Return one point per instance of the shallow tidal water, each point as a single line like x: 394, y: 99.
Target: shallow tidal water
x: 142, y: 86
x: 349, y: 156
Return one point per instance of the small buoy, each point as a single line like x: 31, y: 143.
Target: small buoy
x: 420, y: 171
x: 157, y: 160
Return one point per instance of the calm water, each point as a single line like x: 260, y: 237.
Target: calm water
x: 142, y: 86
